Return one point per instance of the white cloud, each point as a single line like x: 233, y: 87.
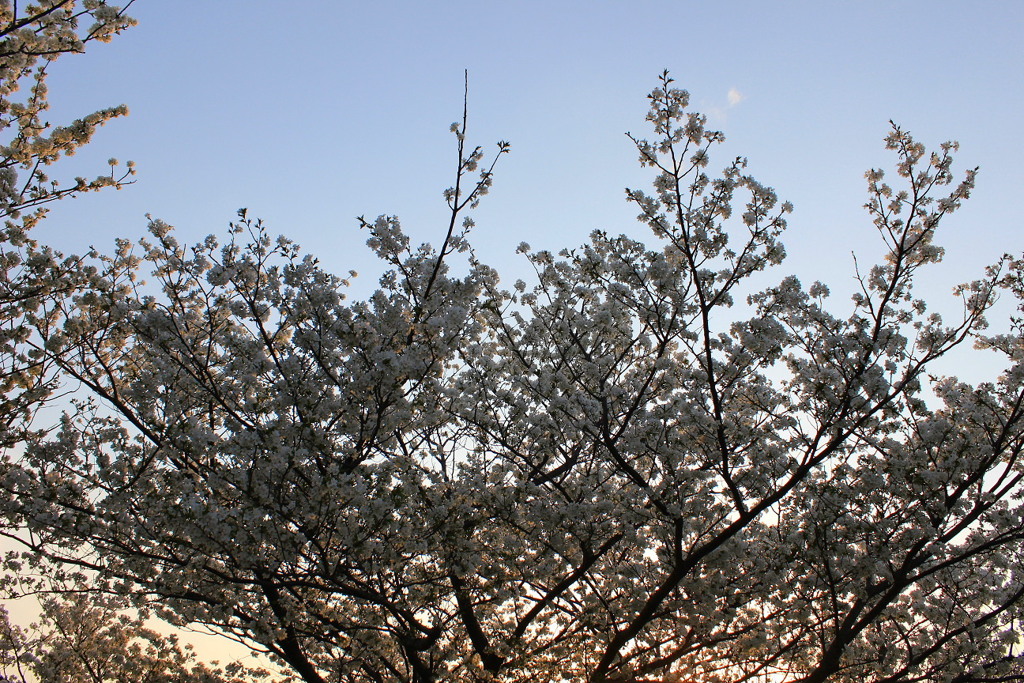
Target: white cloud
x: 735, y: 97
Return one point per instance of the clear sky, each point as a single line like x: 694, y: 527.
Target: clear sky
x: 312, y: 113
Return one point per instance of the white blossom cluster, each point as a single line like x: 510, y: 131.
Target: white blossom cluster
x: 605, y: 475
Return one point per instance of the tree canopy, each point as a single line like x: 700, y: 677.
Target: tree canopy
x: 83, y: 637
x: 611, y: 473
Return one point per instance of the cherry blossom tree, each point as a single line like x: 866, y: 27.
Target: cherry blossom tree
x: 82, y: 637
x: 32, y: 37
x: 609, y: 474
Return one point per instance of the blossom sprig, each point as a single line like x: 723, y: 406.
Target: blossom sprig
x: 32, y: 37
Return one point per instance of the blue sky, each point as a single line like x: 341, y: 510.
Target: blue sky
x: 312, y: 113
